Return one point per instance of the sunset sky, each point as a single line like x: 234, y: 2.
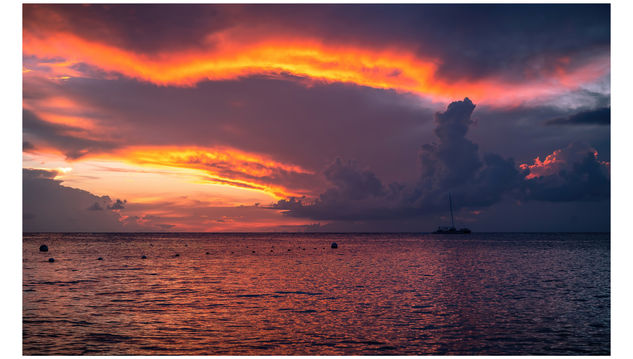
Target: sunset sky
x: 316, y: 117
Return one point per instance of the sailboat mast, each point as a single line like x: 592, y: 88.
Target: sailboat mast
x: 450, y: 201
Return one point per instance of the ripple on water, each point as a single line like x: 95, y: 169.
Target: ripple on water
x: 299, y: 292
x: 501, y: 294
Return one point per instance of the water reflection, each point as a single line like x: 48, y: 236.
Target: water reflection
x: 374, y: 294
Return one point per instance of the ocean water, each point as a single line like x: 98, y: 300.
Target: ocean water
x: 291, y: 294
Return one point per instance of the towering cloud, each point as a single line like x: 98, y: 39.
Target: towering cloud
x: 454, y: 165
x: 454, y: 160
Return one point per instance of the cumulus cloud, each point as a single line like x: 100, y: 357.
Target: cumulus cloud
x: 559, y: 160
x: 352, y: 182
x: 118, y: 205
x: 454, y: 165
x: 454, y: 160
x: 573, y: 173
x: 601, y: 116
x: 357, y: 194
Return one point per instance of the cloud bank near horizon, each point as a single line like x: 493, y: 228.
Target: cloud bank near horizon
x: 454, y: 165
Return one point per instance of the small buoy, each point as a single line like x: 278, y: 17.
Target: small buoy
x: 144, y: 257
x: 99, y: 259
x: 334, y: 245
x: 51, y: 260
x: 43, y: 248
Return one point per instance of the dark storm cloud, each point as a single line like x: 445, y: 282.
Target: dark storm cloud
x: 471, y: 41
x: 601, y: 116
x: 282, y: 118
x: 353, y: 183
x: 65, y: 138
x: 144, y: 28
x: 357, y: 194
x: 95, y: 207
x: 520, y: 132
x: 118, y: 204
x: 453, y: 165
x: 39, y: 174
x: 454, y: 159
x: 573, y: 173
x: 587, y: 180
x: 275, y: 116
x: 27, y: 146
x: 49, y: 206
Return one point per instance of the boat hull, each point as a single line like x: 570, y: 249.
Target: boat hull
x: 452, y: 231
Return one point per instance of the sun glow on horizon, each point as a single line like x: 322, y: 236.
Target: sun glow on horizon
x: 176, y: 198
x: 221, y: 167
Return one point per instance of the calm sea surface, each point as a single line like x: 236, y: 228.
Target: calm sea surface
x: 291, y: 294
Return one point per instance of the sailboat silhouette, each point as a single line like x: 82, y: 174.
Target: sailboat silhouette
x: 451, y: 229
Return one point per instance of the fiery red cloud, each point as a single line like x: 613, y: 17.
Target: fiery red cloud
x: 225, y: 166
x: 559, y: 160
x: 234, y: 57
x: 222, y: 166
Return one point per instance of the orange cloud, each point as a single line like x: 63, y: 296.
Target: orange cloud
x: 222, y: 166
x: 218, y: 165
x: 547, y: 167
x: 233, y: 56
x: 559, y: 159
